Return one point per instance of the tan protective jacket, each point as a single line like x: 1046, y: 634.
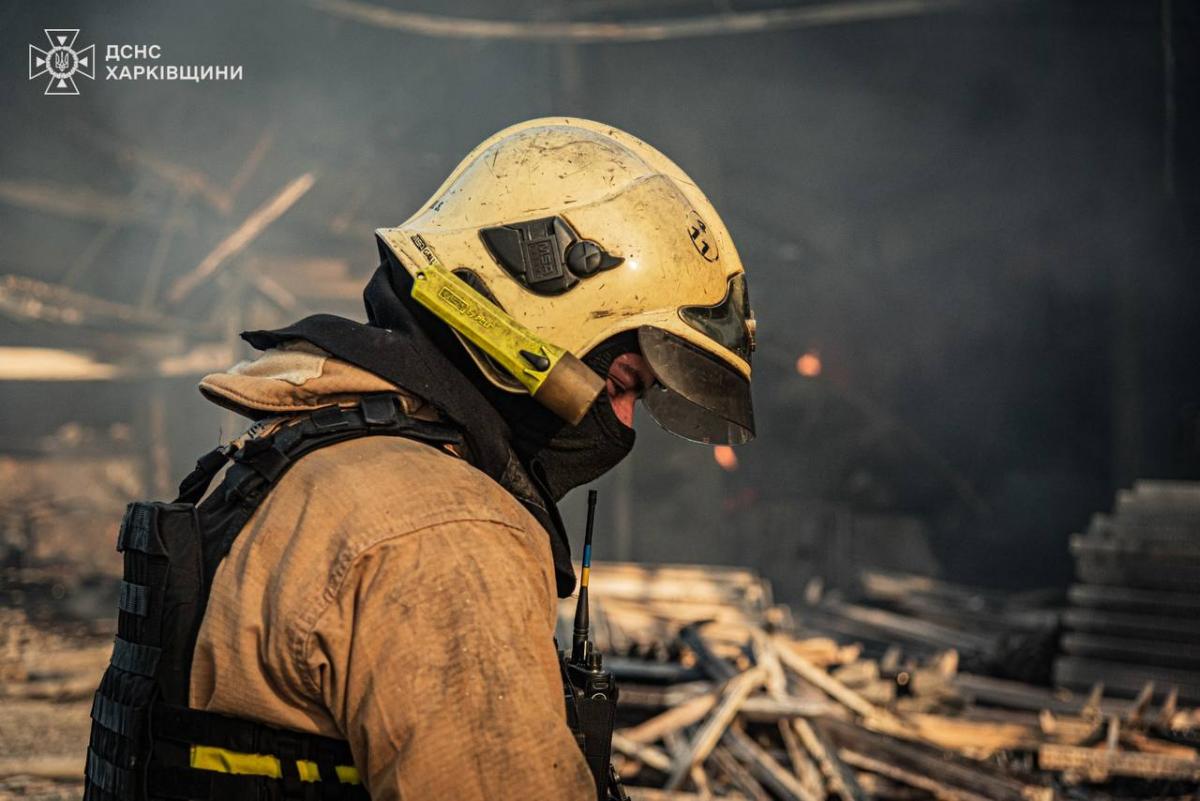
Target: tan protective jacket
x: 390, y: 594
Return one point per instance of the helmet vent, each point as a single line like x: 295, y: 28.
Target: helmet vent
x: 545, y: 255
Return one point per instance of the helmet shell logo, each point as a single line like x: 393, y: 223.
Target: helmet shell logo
x: 702, y: 239
x: 62, y: 62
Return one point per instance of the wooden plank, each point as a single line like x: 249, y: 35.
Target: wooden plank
x: 764, y: 767
x: 831, y: 686
x: 881, y: 788
x: 646, y: 754
x: 738, y: 775
x: 677, y: 584
x: 985, y: 619
x: 1111, y: 546
x: 761, y: 709
x: 1142, y: 652
x: 802, y: 765
x: 258, y: 221
x: 938, y: 790
x: 824, y: 651
x: 910, y: 629
x: 1125, y: 679
x: 1148, y: 745
x: 714, y: 666
x: 653, y: 696
x: 805, y: 773
x: 700, y: 780
x: 1098, y: 764
x: 1141, y: 626
x: 979, y: 738
x: 1125, y: 599
x: 1173, y: 566
x: 1155, y: 530
x: 766, y: 658
x: 672, y: 720
x: 709, y: 734
x: 839, y: 780
x: 942, y: 766
x: 652, y: 794
x: 1017, y: 695
x: 626, y: 669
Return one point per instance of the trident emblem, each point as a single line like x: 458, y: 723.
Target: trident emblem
x: 62, y: 62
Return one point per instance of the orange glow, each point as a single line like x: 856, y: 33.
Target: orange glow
x: 809, y: 365
x: 724, y: 456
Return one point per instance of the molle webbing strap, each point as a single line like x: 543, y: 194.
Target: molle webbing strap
x: 117, y: 717
x: 120, y: 782
x: 133, y: 598
x: 135, y: 530
x: 135, y: 658
x: 193, y: 487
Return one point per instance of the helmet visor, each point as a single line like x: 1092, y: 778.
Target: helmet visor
x: 697, y: 396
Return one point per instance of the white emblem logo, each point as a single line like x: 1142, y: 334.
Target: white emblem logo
x: 62, y: 62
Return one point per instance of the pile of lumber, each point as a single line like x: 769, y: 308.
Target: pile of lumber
x: 1135, y: 613
x: 726, y: 695
x: 1005, y: 634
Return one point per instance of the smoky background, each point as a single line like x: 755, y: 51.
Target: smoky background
x: 969, y: 230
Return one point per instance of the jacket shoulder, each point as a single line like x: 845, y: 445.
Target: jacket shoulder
x: 377, y: 505
x: 380, y: 487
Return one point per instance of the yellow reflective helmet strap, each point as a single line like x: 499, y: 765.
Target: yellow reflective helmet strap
x: 554, y: 377
x: 222, y: 760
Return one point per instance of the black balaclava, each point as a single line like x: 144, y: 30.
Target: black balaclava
x: 563, y: 456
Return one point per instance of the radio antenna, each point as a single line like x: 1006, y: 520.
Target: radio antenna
x: 581, y: 646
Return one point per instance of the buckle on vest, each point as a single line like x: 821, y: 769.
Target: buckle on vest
x: 248, y: 490
x: 329, y: 418
x: 379, y: 410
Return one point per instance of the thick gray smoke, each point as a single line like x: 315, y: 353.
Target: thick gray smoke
x: 971, y: 218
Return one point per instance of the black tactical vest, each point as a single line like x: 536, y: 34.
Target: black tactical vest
x: 146, y: 743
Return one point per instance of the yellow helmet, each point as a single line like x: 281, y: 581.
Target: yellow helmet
x: 580, y: 231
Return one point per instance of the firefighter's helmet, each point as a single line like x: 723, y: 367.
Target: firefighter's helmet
x: 580, y: 231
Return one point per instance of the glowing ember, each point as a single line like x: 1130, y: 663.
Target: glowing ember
x: 724, y: 456
x: 809, y: 365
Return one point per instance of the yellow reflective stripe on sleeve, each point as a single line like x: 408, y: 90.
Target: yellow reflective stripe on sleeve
x: 222, y: 760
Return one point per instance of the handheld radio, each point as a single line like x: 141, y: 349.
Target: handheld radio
x: 590, y: 689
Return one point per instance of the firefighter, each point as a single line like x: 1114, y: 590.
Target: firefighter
x: 373, y: 601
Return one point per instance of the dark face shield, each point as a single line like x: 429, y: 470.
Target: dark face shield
x: 697, y: 396
x: 728, y: 323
